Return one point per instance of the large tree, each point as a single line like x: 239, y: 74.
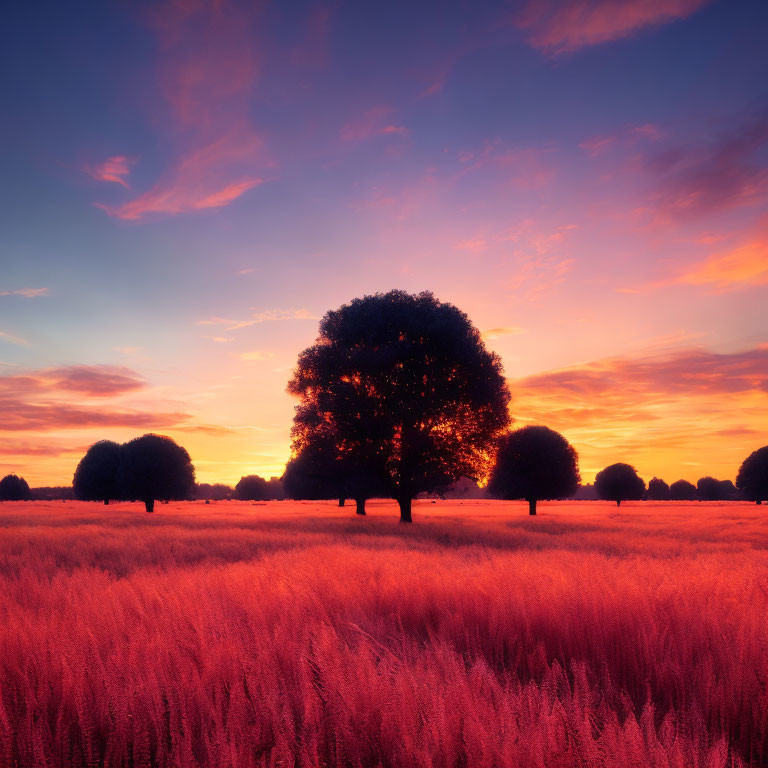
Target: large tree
x: 752, y: 479
x: 14, y: 488
x: 409, y: 389
x: 534, y: 463
x: 96, y: 475
x: 155, y: 467
x: 619, y: 482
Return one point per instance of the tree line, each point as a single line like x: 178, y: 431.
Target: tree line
x: 398, y: 397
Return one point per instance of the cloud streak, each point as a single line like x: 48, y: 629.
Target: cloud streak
x: 563, y: 26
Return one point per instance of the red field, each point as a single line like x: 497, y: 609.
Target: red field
x: 290, y: 634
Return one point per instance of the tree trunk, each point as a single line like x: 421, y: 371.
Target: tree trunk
x: 618, y: 502
x: 342, y: 502
x: 360, y: 504
x: 149, y: 504
x: 531, y: 506
x: 405, y: 510
x: 758, y: 501
x: 106, y: 502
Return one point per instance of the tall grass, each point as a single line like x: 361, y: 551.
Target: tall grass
x: 295, y: 635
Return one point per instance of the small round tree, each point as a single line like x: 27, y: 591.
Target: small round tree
x: 252, y: 488
x: 709, y: 489
x: 14, y: 488
x: 658, y: 490
x: 155, y: 467
x: 96, y: 475
x: 682, y: 490
x: 752, y: 479
x: 408, y: 389
x: 619, y: 482
x: 534, y: 463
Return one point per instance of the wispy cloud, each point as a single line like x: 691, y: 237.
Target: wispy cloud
x: 564, y: 26
x: 505, y: 330
x: 256, y: 354
x: 27, y: 293
x: 12, y: 338
x: 208, y: 67
x: 374, y: 122
x: 270, y: 315
x: 90, y: 380
x: 115, y: 169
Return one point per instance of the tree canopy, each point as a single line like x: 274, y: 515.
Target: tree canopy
x: 408, y: 391
x: 752, y: 479
x: 14, y: 488
x: 155, y: 467
x: 534, y: 463
x: 682, y: 490
x: 658, y: 490
x: 96, y: 476
x: 619, y: 482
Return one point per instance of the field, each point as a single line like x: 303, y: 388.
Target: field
x: 295, y: 634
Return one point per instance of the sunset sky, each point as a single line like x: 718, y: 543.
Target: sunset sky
x: 188, y: 186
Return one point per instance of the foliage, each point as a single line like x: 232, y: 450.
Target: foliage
x: 752, y: 479
x: 404, y: 387
x: 96, y: 476
x: 619, y: 482
x: 14, y: 488
x: 682, y: 490
x: 155, y: 467
x: 658, y: 490
x: 534, y: 463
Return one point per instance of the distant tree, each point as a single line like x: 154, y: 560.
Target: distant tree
x: 464, y: 488
x: 709, y: 489
x: 728, y: 491
x: 252, y: 488
x: 619, y: 482
x: 96, y: 475
x: 682, y: 490
x: 409, y: 388
x: 586, y: 492
x: 213, y: 492
x: 276, y: 490
x: 752, y: 479
x: 322, y: 471
x: 534, y: 463
x: 14, y: 488
x: 155, y: 467
x: 53, y: 493
x: 658, y: 490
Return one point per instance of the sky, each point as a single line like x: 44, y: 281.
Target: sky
x: 187, y: 186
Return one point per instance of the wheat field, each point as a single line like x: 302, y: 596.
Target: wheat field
x: 237, y: 634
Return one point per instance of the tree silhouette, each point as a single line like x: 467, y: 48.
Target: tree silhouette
x: 407, y: 385
x: 658, y: 490
x: 14, y: 488
x: 709, y: 489
x: 752, y: 479
x: 619, y: 482
x: 682, y: 490
x: 534, y: 463
x: 213, y: 492
x: 322, y: 471
x: 155, y: 467
x: 728, y: 491
x: 96, y: 475
x: 252, y: 488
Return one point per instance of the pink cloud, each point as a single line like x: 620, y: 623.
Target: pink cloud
x: 89, y: 380
x: 208, y: 68
x: 115, y: 169
x: 374, y: 122
x: 27, y: 293
x: 204, y: 178
x: 563, y: 26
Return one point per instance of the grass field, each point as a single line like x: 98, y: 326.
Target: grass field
x: 295, y: 634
